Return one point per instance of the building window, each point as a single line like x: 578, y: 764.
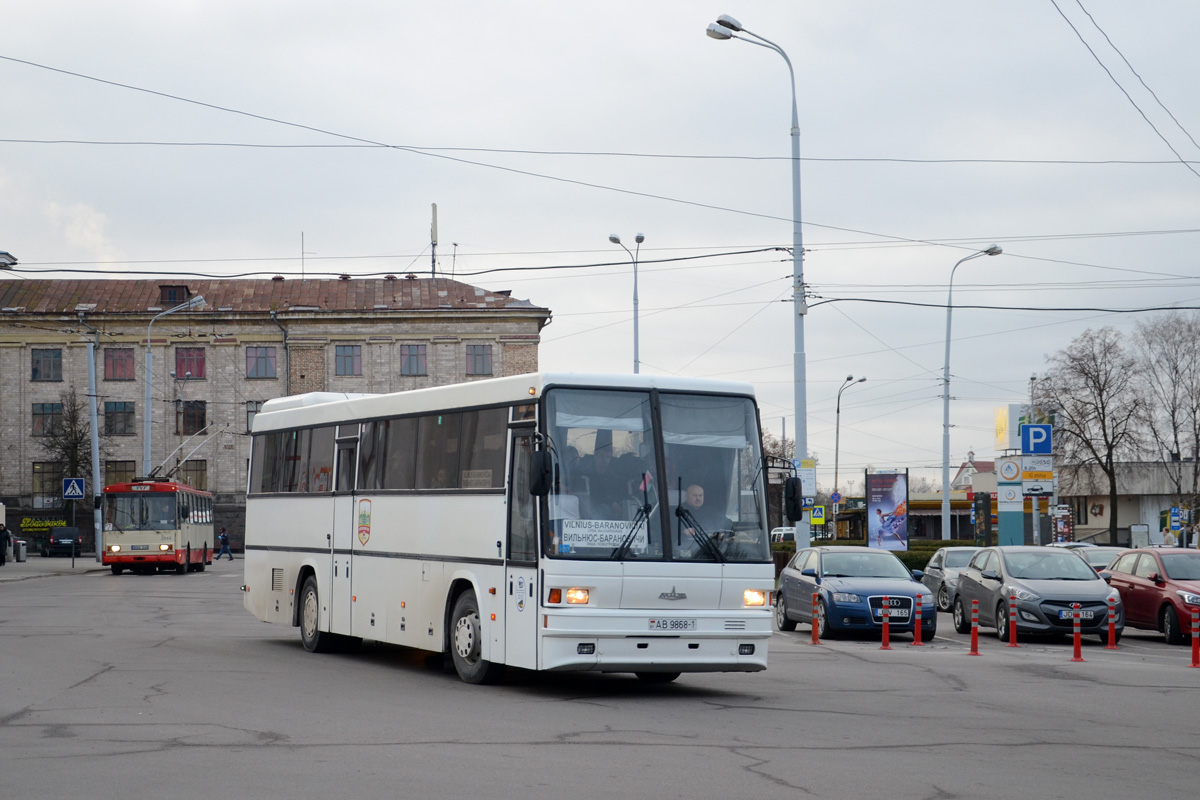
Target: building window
x: 195, y: 474
x: 47, y: 484
x: 190, y: 416
x: 189, y: 359
x: 479, y: 359
x: 47, y: 365
x: 252, y: 409
x: 172, y: 295
x: 348, y: 359
x: 260, y: 362
x: 119, y: 472
x: 412, y: 359
x: 118, y: 419
x: 118, y: 364
x: 46, y: 417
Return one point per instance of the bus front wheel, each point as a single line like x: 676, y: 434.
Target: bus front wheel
x: 117, y: 569
x: 311, y: 636
x: 466, y: 643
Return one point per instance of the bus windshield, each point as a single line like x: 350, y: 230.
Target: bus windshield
x: 612, y: 499
x: 141, y: 512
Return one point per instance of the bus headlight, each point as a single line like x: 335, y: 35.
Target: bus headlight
x: 116, y: 548
x: 577, y: 596
x: 754, y: 597
x: 164, y: 547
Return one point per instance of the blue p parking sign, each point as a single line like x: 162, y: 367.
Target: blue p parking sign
x: 1035, y: 440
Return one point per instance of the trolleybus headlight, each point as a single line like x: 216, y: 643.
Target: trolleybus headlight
x: 164, y: 547
x: 116, y: 548
x: 754, y: 597
x: 577, y: 596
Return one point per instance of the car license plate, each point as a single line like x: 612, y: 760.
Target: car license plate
x: 893, y: 613
x: 139, y: 547
x: 1069, y: 613
x: 672, y: 624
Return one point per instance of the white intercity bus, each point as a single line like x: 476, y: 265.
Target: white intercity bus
x: 541, y: 521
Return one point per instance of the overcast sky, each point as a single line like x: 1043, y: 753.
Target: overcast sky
x: 150, y: 138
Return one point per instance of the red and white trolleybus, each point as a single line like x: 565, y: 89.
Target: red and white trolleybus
x: 157, y: 524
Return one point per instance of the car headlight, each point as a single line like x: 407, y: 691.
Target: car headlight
x: 951, y: 580
x: 1019, y: 593
x: 1191, y: 598
x: 846, y: 597
x: 754, y: 597
x: 1113, y: 594
x: 927, y: 599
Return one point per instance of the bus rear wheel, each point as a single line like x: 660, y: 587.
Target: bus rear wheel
x: 466, y: 643
x: 311, y: 636
x: 657, y: 677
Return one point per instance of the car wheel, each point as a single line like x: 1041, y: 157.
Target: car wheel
x: 1104, y: 637
x: 314, y: 639
x: 1002, y: 622
x: 466, y: 643
x: 781, y: 618
x: 943, y: 598
x: 962, y: 623
x: 1170, y: 626
x: 824, y: 628
x: 657, y: 677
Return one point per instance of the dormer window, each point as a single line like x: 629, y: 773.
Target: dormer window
x: 170, y: 296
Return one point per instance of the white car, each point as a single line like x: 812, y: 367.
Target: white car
x: 783, y: 535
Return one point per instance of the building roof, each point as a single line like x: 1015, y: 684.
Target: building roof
x: 56, y: 296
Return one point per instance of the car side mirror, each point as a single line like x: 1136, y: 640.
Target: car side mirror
x: 918, y: 574
x: 990, y: 574
x: 809, y: 573
x: 1156, y: 578
x: 1106, y: 575
x: 541, y: 473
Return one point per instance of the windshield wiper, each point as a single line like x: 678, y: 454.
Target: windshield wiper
x: 643, y: 515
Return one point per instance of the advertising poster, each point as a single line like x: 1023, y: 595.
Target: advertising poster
x: 887, y: 510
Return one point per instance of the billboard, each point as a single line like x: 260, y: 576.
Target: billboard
x: 887, y: 510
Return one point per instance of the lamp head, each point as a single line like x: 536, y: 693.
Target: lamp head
x: 994, y: 250
x: 726, y: 21
x: 849, y: 378
x: 860, y: 380
x: 612, y: 237
x: 717, y: 32
x: 641, y: 237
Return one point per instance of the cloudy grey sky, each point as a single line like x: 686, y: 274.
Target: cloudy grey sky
x: 145, y: 138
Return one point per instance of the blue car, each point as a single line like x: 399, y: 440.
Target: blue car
x: 851, y: 584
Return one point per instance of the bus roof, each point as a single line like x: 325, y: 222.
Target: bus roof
x: 151, y: 485
x: 324, y: 408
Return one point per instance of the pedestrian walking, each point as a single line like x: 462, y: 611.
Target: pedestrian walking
x: 6, y: 539
x: 223, y: 538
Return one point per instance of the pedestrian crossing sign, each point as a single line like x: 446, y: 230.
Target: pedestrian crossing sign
x: 817, y: 515
x: 72, y: 488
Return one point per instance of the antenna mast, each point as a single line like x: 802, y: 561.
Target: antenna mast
x: 433, y: 244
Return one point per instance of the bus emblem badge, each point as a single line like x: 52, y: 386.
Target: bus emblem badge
x: 364, y: 520
x: 673, y: 595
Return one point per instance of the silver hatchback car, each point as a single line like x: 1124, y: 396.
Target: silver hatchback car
x: 1046, y: 581
x: 941, y: 573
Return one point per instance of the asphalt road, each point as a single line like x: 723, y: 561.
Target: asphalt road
x: 163, y: 687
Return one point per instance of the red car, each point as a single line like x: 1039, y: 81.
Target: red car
x: 1159, y: 586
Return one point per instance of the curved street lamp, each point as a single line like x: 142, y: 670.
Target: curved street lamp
x: 994, y: 250
x: 837, y: 436
x: 612, y: 237
x: 193, y: 302
x: 726, y: 27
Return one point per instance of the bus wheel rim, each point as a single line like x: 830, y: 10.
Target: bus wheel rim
x: 465, y: 637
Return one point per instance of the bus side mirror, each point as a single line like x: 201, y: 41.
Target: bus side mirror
x: 793, y: 500
x: 541, y: 473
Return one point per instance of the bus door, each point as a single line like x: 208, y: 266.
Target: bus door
x: 520, y: 578
x: 344, y: 524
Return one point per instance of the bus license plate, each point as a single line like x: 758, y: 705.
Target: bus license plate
x: 672, y: 624
x: 139, y: 547
x: 895, y: 613
x: 1068, y: 613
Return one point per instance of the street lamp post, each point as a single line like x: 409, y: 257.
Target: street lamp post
x: 837, y: 437
x: 612, y: 237
x: 726, y: 27
x: 198, y: 300
x: 991, y: 251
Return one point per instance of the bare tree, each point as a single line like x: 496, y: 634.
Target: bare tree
x: 1168, y: 350
x: 1091, y: 385
x: 67, y: 440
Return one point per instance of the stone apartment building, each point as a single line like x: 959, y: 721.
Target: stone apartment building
x: 213, y: 366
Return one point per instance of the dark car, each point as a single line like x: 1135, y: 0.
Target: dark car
x: 1047, y: 582
x: 941, y: 573
x: 1099, y: 557
x: 63, y: 542
x: 1160, y: 587
x: 851, y: 584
